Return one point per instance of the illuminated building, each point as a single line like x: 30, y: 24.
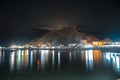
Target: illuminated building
x: 85, y: 41
x: 39, y: 44
x: 27, y: 45
x: 99, y: 43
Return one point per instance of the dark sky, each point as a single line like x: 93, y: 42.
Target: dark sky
x: 92, y: 16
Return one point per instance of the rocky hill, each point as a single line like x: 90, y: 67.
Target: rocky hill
x: 64, y: 36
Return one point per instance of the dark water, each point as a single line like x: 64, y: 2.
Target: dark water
x: 59, y: 65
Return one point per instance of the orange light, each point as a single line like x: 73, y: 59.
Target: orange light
x: 24, y: 58
x: 97, y: 56
x: 38, y: 64
x: 39, y: 44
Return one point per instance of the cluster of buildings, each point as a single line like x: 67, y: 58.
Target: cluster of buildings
x: 83, y: 43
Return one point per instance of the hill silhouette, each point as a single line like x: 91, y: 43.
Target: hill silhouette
x: 66, y: 35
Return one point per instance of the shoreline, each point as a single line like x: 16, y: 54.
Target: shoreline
x: 114, y: 49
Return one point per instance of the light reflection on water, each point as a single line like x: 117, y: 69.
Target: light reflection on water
x: 0, y: 56
x: 42, y: 59
x: 89, y: 59
x: 113, y: 59
x: 53, y: 58
x: 70, y: 57
x: 12, y: 59
x: 59, y: 59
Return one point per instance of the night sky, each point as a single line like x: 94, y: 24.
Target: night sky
x: 20, y: 19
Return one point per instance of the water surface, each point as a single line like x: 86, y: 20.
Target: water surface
x: 59, y: 65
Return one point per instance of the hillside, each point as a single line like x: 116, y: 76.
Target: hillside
x: 64, y: 36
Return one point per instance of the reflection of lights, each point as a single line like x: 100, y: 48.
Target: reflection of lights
x: 0, y: 47
x: 26, y: 57
x: 0, y: 56
x: 3, y: 56
x: 18, y: 61
x: 22, y: 58
x: 12, y: 60
x: 59, y: 59
x: 113, y: 58
x: 44, y: 51
x: 97, y: 56
x: 42, y: 60
x: 82, y: 55
x: 74, y: 55
x: 70, y: 56
x: 53, y: 57
x: 27, y: 52
x: 31, y: 59
x: 117, y: 64
x: 46, y: 57
x: 38, y: 64
x: 108, y: 56
x: 35, y: 51
x: 89, y: 59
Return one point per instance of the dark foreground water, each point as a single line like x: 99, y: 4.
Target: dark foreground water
x: 59, y: 65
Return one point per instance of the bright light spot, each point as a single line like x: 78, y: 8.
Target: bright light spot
x: 13, y: 46
x: 16, y: 46
x: 20, y: 46
x: 53, y: 47
x: 87, y: 46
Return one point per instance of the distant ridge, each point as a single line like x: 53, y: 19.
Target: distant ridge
x: 66, y: 35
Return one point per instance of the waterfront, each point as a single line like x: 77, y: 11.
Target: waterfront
x: 59, y: 65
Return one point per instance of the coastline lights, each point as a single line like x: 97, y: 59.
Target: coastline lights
x: 13, y: 46
x: 87, y: 46
x: 16, y: 46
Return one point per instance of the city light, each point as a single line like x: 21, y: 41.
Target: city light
x: 16, y: 46
x: 13, y: 46
x: 87, y: 46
